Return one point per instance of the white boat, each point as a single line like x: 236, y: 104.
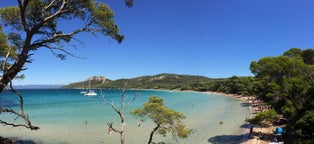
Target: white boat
x: 83, y: 92
x: 90, y: 93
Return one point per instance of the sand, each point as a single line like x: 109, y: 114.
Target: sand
x: 266, y: 131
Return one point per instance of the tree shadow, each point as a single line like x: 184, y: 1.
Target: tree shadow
x: 245, y: 126
x: 15, y: 140
x: 245, y: 104
x: 227, y: 139
x: 232, y: 139
x: 25, y: 142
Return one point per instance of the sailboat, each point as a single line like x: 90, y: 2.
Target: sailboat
x: 84, y: 91
x: 90, y: 92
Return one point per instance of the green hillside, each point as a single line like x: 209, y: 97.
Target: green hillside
x: 160, y: 81
x: 233, y: 85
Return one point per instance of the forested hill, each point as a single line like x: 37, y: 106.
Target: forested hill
x: 160, y: 81
x: 235, y: 85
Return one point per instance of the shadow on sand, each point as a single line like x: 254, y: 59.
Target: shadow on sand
x: 227, y: 139
x: 14, y: 140
x: 245, y: 104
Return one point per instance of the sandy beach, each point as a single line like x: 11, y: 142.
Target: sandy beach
x: 266, y: 131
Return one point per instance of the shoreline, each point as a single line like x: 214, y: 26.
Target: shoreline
x: 246, y: 132
x: 254, y: 137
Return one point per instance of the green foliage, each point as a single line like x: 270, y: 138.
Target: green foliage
x: 7, y: 52
x: 40, y: 22
x: 304, y: 126
x: 166, y: 120
x: 10, y: 16
x: 103, y: 17
x: 264, y: 116
x: 308, y: 56
x: 288, y: 87
x: 293, y: 52
x: 286, y: 108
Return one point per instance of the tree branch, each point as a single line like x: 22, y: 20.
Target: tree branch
x: 110, y: 104
x: 56, y: 37
x: 49, y: 18
x: 22, y: 7
x: 112, y: 128
x: 61, y: 49
x: 21, y: 114
x: 6, y: 60
x: 49, y: 5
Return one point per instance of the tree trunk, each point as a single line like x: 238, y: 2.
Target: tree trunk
x: 122, y: 129
x: 152, y: 134
x: 122, y: 137
x: 10, y: 74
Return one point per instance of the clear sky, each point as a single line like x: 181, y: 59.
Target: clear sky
x: 213, y: 38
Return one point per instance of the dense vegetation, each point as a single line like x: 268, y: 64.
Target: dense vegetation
x: 161, y: 81
x: 287, y: 83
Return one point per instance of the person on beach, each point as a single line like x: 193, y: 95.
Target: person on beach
x: 251, y: 129
x: 138, y: 123
x: 109, y: 130
x: 260, y: 135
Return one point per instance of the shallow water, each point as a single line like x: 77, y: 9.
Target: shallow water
x: 61, y: 116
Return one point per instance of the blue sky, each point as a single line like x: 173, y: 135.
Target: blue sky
x: 213, y: 38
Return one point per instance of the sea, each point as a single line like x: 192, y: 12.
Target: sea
x: 65, y: 116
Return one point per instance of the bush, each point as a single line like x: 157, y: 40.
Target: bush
x: 264, y: 116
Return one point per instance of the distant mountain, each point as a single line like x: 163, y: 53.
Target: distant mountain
x: 160, y: 81
x: 38, y: 86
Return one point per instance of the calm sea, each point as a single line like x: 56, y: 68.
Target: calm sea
x: 67, y: 116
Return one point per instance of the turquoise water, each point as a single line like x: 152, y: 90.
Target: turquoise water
x: 61, y: 114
